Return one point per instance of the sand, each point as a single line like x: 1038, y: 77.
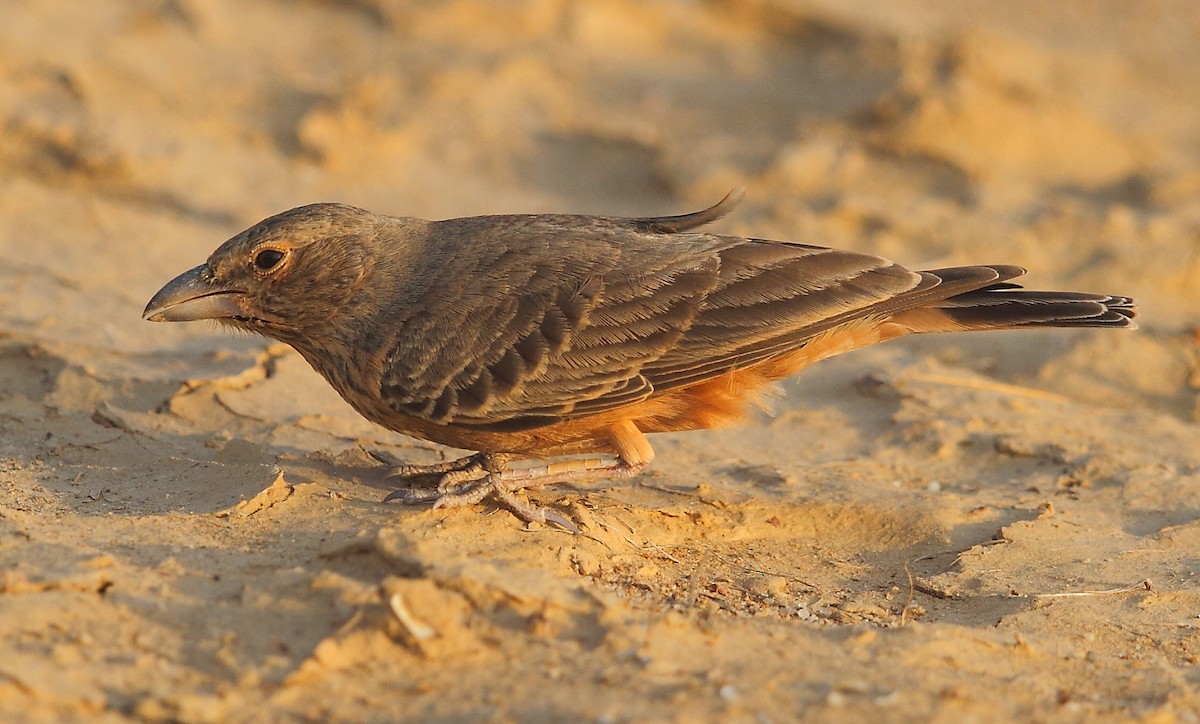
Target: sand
x: 957, y: 528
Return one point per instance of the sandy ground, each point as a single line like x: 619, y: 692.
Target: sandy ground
x: 961, y: 528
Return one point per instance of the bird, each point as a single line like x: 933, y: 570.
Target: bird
x: 551, y: 345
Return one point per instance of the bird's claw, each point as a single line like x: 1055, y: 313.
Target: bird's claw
x: 467, y: 481
x: 534, y: 513
x: 396, y: 469
x: 412, y: 496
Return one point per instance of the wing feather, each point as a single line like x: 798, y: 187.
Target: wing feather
x: 564, y: 317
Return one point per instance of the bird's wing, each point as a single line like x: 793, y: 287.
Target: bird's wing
x: 577, y: 334
x: 772, y: 297
x: 544, y: 323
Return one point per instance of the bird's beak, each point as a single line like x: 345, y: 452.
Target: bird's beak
x: 190, y: 296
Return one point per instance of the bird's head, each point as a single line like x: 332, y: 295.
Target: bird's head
x: 284, y: 275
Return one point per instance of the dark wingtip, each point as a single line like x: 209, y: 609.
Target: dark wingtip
x: 1121, y: 311
x: 696, y: 219
x: 1005, y: 306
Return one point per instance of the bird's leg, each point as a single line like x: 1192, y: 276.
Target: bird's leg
x: 455, y: 477
x: 465, y: 485
x: 397, y: 469
x: 462, y: 467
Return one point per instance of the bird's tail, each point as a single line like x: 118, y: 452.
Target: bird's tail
x: 1000, y: 304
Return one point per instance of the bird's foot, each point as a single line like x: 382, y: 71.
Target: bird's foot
x: 471, y: 479
x: 449, y: 471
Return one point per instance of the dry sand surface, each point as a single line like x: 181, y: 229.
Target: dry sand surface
x: 958, y: 528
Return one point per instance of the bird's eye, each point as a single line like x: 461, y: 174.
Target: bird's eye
x: 268, y: 259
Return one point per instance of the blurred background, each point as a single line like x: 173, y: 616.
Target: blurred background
x: 136, y: 136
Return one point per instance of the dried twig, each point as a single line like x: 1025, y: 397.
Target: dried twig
x: 418, y: 629
x: 748, y: 569
x: 912, y: 592
x: 1143, y: 585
